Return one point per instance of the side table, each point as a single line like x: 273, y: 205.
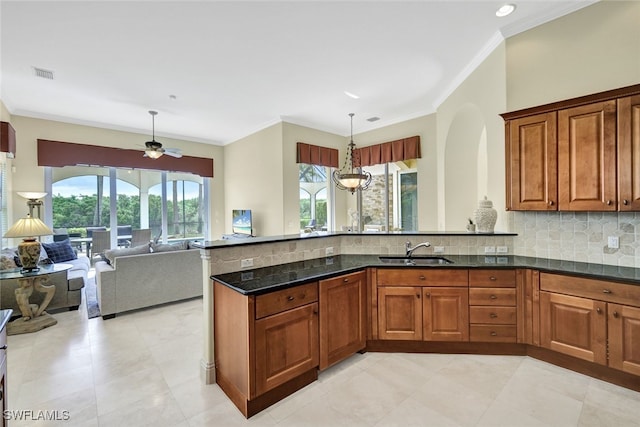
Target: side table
x: 34, y: 317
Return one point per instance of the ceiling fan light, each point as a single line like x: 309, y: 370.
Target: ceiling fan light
x: 153, y: 154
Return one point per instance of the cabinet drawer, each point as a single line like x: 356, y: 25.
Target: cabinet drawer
x: 492, y: 278
x: 591, y: 288
x: 492, y: 296
x: 278, y: 301
x: 422, y: 277
x: 492, y: 315
x: 492, y: 333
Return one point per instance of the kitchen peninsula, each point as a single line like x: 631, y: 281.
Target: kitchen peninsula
x: 479, y: 304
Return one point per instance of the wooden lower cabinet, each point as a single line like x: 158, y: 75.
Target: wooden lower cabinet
x: 574, y: 326
x: 445, y: 314
x: 400, y: 313
x: 343, y: 317
x: 266, y: 346
x: 624, y: 338
x: 416, y: 313
x: 286, y: 345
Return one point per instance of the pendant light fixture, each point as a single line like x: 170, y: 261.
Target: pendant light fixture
x: 347, y: 178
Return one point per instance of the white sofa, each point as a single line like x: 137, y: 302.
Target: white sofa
x: 145, y: 280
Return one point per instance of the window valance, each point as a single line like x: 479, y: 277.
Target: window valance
x: 316, y: 155
x: 386, y: 152
x: 59, y: 154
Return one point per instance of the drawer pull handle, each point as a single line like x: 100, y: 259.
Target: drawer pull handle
x: 625, y: 202
x: 422, y: 277
x: 493, y: 297
x: 598, y: 310
x: 606, y: 291
x: 493, y: 315
x: 494, y: 334
x: 493, y: 278
x: 615, y: 314
x: 290, y: 298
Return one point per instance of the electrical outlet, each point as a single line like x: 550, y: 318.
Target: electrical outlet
x: 489, y: 249
x: 438, y: 249
x: 246, y: 263
x: 328, y: 251
x: 613, y: 242
x: 503, y: 249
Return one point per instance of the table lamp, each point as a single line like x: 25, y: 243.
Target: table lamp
x: 29, y: 249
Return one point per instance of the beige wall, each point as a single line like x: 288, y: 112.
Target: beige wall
x: 470, y: 151
x: 254, y: 176
x: 28, y: 176
x: 592, y: 50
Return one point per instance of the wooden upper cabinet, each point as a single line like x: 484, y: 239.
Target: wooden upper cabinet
x: 587, y: 157
x: 629, y: 153
x: 532, y: 163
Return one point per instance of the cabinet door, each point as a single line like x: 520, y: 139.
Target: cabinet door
x: 399, y: 313
x: 574, y: 326
x: 445, y: 314
x: 629, y: 153
x: 532, y: 163
x: 343, y: 317
x: 624, y: 338
x: 286, y: 345
x: 587, y: 157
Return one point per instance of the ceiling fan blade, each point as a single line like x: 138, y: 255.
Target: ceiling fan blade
x: 173, y: 153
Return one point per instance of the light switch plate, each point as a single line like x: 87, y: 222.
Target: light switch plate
x: 438, y: 249
x: 246, y: 263
x: 489, y: 249
x: 328, y: 251
x: 613, y: 242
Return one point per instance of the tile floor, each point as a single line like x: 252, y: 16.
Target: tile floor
x: 142, y: 369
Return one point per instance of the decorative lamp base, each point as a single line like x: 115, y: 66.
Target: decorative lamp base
x: 29, y: 253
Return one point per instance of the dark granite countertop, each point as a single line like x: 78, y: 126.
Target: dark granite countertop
x: 267, y: 279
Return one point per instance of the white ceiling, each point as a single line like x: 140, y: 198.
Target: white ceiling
x: 237, y: 67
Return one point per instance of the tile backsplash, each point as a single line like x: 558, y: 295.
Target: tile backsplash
x: 578, y: 236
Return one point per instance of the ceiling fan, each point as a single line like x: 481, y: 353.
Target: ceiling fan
x: 153, y: 148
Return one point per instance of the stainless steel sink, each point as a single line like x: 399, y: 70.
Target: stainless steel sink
x: 415, y: 260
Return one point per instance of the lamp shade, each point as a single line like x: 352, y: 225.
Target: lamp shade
x: 31, y: 195
x: 28, y: 227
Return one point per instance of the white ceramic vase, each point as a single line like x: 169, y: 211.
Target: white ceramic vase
x: 486, y: 216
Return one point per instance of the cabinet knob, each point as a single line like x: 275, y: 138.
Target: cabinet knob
x: 290, y: 298
x: 428, y: 294
x: 598, y: 310
x: 550, y: 202
x: 493, y: 278
x: 608, y: 202
x: 494, y: 334
x: 625, y: 202
x: 422, y: 277
x: 493, y: 297
x: 418, y: 295
x: 493, y: 315
x: 606, y: 291
x: 345, y: 280
x: 615, y: 314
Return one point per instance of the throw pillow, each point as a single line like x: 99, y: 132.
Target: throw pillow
x: 110, y: 255
x: 60, y: 251
x: 161, y: 247
x: 7, y: 259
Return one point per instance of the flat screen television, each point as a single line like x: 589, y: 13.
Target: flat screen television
x: 241, y: 222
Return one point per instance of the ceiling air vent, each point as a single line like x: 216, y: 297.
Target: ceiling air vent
x: 373, y: 119
x: 45, y: 74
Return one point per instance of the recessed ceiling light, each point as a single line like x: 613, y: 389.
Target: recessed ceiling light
x: 351, y: 95
x: 505, y: 10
